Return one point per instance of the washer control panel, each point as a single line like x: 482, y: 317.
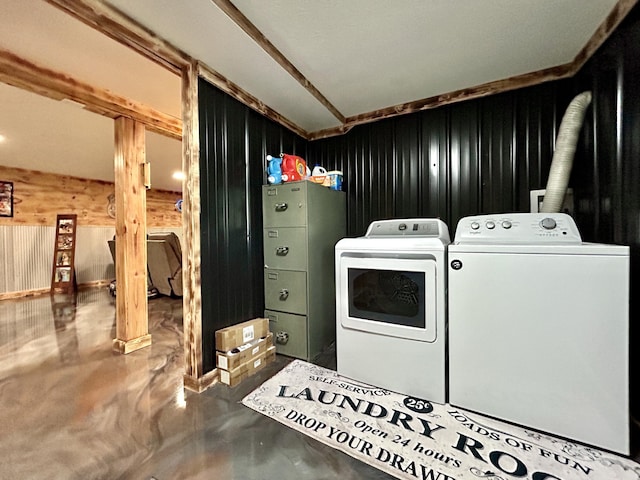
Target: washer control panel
x: 409, y: 227
x: 518, y: 228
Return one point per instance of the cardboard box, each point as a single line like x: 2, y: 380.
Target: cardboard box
x: 237, y: 335
x: 244, y: 371
x: 242, y: 354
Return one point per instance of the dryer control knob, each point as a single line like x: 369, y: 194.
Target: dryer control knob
x: 506, y: 224
x: 491, y: 224
x: 475, y: 225
x: 548, y: 223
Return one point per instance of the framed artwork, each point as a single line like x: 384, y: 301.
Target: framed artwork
x: 6, y: 199
x: 63, y: 259
x: 65, y: 242
x: 65, y: 225
x: 63, y: 275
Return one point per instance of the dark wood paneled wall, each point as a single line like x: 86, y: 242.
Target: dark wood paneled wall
x: 234, y: 141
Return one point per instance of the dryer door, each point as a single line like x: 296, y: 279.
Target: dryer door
x: 388, y: 296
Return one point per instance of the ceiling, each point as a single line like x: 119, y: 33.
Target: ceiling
x: 361, y: 56
x: 61, y: 137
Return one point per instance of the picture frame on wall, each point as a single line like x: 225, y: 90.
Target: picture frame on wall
x: 6, y: 199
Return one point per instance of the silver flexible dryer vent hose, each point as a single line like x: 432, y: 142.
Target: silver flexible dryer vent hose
x: 563, y: 155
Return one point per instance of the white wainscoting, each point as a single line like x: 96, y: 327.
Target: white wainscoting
x: 26, y: 255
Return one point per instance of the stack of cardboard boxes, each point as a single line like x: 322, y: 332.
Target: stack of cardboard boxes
x: 243, y: 350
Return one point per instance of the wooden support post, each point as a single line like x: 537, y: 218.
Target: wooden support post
x: 194, y: 377
x: 132, y: 323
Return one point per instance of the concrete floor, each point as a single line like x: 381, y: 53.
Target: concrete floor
x: 73, y: 409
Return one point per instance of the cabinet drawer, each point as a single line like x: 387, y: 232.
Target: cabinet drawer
x: 285, y: 291
x: 284, y: 205
x: 289, y: 333
x: 285, y: 248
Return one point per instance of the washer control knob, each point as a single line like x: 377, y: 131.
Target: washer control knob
x: 548, y: 223
x: 506, y: 224
x: 491, y: 224
x: 475, y: 225
x: 402, y: 226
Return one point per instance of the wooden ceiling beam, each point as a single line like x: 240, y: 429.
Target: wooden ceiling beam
x: 246, y: 98
x: 491, y: 88
x: 606, y: 28
x: 250, y: 29
x: 123, y: 29
x: 26, y: 75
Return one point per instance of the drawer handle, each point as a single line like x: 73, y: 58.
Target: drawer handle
x: 282, y: 338
x: 281, y: 207
x: 282, y: 251
x: 284, y: 294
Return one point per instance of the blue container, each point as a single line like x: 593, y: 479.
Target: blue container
x: 335, y: 179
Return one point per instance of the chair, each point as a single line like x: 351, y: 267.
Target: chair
x: 164, y: 264
x: 152, y: 292
x: 164, y: 259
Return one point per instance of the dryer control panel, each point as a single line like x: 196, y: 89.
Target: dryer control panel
x: 518, y: 228
x: 409, y: 227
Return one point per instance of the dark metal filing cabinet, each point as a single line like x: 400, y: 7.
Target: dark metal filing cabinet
x: 302, y: 222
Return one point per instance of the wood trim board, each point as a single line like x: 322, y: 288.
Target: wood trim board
x: 191, y: 274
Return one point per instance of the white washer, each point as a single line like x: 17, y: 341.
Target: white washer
x: 391, y: 306
x: 538, y: 327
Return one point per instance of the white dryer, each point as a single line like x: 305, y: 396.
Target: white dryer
x: 538, y: 327
x: 391, y: 306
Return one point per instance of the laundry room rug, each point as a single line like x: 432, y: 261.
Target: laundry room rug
x: 411, y: 438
